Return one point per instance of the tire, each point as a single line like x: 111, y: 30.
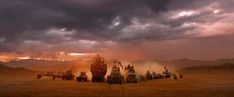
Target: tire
x: 136, y: 81
x: 120, y: 82
x: 93, y: 79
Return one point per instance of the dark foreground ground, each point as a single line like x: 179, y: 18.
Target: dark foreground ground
x: 192, y: 85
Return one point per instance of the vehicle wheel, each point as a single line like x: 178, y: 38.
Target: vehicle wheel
x: 93, y: 79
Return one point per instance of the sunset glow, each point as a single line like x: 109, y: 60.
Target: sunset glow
x: 79, y: 54
x: 116, y: 48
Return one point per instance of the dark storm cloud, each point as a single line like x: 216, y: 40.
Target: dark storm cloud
x: 89, y: 25
x: 20, y: 15
x: 22, y: 20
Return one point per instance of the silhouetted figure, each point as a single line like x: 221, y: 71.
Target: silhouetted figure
x: 181, y: 76
x: 175, y: 77
x: 54, y: 77
x: 39, y: 76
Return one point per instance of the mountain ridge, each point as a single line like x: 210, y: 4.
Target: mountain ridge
x: 178, y: 64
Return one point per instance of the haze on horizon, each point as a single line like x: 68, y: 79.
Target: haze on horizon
x: 124, y: 29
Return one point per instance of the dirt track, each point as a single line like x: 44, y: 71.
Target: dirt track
x: 190, y: 86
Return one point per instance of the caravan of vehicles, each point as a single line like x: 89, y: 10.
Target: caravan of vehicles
x: 118, y: 74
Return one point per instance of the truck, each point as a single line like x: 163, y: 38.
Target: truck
x: 68, y: 75
x: 98, y: 69
x: 131, y: 74
x: 115, y: 76
x: 82, y: 77
x: 148, y: 75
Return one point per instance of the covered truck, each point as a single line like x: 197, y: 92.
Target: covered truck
x: 115, y: 76
x: 82, y: 77
x: 131, y: 74
x: 98, y: 69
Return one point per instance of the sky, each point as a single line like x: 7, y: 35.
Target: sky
x: 121, y: 29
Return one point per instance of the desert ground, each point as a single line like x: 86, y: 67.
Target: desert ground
x: 195, y: 84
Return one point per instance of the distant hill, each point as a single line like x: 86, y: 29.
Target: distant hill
x: 12, y: 74
x: 48, y: 65
x: 45, y: 65
x: 7, y: 69
x: 223, y: 66
x: 226, y: 67
x: 185, y: 63
x: 29, y: 62
x: 1, y: 62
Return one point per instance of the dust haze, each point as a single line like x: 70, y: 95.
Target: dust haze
x: 148, y: 48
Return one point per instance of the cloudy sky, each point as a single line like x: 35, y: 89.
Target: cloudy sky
x: 126, y: 29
